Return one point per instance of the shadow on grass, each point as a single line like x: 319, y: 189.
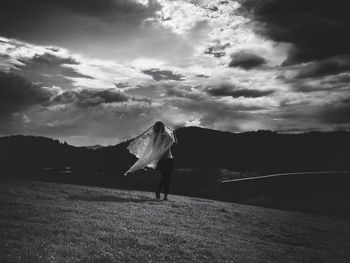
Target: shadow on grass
x: 109, y: 198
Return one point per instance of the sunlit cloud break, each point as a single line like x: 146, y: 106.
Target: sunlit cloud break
x: 100, y: 71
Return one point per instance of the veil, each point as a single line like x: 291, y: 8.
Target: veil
x: 149, y: 147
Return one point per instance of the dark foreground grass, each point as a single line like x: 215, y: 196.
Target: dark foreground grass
x: 43, y: 222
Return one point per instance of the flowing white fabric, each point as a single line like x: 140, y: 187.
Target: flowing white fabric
x: 150, y: 148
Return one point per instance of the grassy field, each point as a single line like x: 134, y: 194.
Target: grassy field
x: 46, y: 222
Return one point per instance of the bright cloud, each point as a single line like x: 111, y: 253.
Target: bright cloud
x: 121, y: 65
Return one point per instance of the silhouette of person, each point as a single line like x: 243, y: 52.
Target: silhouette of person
x: 153, y: 150
x: 165, y: 165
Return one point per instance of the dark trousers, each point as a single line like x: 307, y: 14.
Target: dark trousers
x: 165, y: 166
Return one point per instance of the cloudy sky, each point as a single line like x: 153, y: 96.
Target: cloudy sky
x: 101, y: 71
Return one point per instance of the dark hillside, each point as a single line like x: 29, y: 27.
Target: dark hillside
x: 262, y: 152
x: 203, y: 158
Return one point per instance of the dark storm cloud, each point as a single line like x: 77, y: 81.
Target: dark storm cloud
x: 233, y: 91
x: 319, y: 29
x: 49, y: 70
x: 122, y: 85
x: 246, y: 60
x: 49, y: 63
x: 346, y: 100
x: 201, y: 100
x: 329, y: 66
x: 181, y: 91
x: 14, y: 11
x: 308, y: 83
x: 159, y: 75
x: 5, y: 56
x: 304, y: 88
x: 335, y: 113
x: 50, y: 60
x: 217, y: 50
x: 91, y: 97
x: 216, y: 115
x: 217, y: 54
x: 17, y: 94
x: 338, y: 79
x: 52, y: 49
x: 44, y: 20
x: 340, y: 84
x: 310, y: 116
x: 202, y: 76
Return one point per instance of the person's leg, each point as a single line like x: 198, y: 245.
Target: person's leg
x: 167, y: 177
x: 166, y: 186
x: 160, y: 169
x: 160, y: 185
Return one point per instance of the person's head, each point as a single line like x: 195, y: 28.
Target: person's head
x: 158, y: 126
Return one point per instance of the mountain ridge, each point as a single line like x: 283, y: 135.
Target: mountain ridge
x: 257, y: 151
x: 203, y: 159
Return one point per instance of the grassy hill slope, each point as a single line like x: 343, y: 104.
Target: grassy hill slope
x: 45, y: 222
